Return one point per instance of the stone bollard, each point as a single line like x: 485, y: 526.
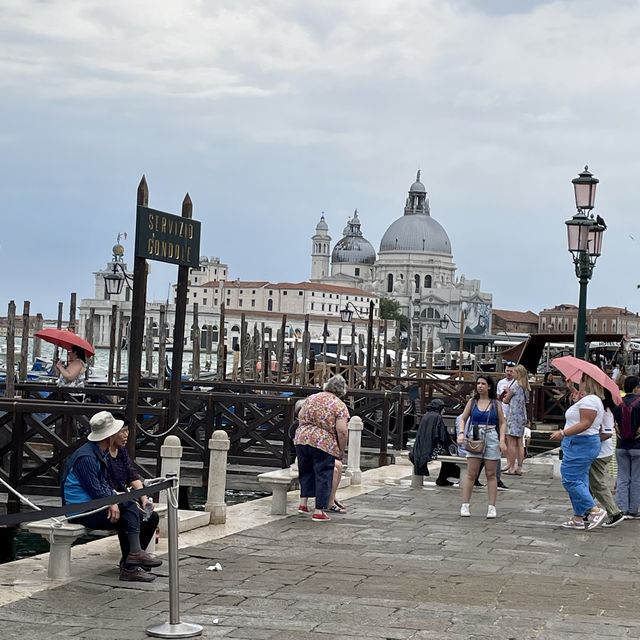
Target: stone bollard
x: 353, y: 453
x: 170, y: 454
x: 417, y: 482
x: 215, y: 505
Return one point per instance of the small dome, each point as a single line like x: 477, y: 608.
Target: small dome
x: 353, y: 250
x: 322, y: 225
x: 416, y: 234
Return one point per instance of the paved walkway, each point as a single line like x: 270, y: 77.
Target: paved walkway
x: 402, y: 564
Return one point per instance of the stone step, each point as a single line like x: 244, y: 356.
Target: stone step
x: 187, y: 520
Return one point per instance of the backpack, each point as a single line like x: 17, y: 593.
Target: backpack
x: 628, y: 428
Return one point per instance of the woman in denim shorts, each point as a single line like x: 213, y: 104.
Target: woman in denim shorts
x: 484, y: 412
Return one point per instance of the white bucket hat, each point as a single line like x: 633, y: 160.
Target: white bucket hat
x: 103, y: 425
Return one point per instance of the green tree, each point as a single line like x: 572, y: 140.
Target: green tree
x: 390, y: 310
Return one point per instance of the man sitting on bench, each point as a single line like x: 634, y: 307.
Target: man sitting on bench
x: 86, y: 478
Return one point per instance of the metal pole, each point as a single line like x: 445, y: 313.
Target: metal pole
x: 370, y: 345
x: 174, y: 628
x: 581, y: 326
x: 461, y: 344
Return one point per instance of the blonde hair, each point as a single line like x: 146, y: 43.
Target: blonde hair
x: 591, y: 387
x: 522, y: 376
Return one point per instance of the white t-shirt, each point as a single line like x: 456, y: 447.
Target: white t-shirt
x: 607, y: 446
x: 503, y: 385
x: 572, y: 415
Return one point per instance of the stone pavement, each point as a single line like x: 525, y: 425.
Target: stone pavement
x: 401, y: 564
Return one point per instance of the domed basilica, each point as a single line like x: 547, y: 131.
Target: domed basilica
x: 414, y: 266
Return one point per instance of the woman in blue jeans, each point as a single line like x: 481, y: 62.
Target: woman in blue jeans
x: 580, y: 443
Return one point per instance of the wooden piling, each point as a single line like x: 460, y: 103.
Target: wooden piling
x: 37, y: 342
x: 148, y: 348
x: 56, y: 350
x: 119, y: 346
x: 195, y: 341
x: 24, y: 342
x: 280, y: 347
x: 72, y: 313
x: 305, y: 351
x: 11, y: 350
x: 221, y: 364
x: 112, y: 342
x: 244, y: 346
x: 162, y: 347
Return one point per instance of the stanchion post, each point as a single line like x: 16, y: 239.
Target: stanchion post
x: 215, y: 505
x: 353, y: 454
x: 174, y: 628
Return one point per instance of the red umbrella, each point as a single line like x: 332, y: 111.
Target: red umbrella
x: 65, y: 339
x: 572, y: 369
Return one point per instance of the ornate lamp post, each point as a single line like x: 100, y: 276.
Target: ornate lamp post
x: 584, y: 235
x: 117, y: 277
x: 346, y: 315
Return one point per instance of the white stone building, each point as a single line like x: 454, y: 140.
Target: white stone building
x: 414, y: 266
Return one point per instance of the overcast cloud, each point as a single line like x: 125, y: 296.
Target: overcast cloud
x: 269, y: 112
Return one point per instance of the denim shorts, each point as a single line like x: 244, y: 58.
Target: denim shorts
x: 492, y: 445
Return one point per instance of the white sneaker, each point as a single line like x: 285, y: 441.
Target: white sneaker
x: 464, y: 510
x: 491, y: 512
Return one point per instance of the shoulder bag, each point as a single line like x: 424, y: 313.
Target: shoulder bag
x: 474, y: 441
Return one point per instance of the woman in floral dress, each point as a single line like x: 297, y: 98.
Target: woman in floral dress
x: 320, y: 439
x: 517, y: 397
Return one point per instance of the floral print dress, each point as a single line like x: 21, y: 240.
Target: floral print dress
x: 517, y: 414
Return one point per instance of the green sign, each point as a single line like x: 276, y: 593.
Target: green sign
x: 167, y: 238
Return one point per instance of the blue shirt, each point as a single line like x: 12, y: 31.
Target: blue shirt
x: 483, y: 418
x: 87, y: 477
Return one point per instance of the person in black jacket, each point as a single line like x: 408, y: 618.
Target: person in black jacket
x: 433, y: 438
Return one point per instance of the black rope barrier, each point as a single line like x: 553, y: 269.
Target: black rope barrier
x: 13, y: 519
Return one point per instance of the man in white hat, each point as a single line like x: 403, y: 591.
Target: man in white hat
x: 86, y: 478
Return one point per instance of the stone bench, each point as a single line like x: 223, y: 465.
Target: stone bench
x: 461, y: 461
x: 279, y: 482
x: 61, y: 536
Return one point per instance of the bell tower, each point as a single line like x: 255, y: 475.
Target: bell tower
x: 321, y: 242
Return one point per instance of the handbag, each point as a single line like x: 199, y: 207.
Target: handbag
x: 476, y: 443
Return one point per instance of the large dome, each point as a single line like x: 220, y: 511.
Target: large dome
x: 417, y: 233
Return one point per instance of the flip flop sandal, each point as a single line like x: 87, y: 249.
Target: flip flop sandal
x: 339, y: 504
x: 334, y: 508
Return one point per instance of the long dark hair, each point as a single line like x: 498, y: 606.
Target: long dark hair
x: 79, y: 351
x: 607, y: 401
x: 490, y: 383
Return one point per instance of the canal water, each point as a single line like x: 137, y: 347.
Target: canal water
x: 28, y: 544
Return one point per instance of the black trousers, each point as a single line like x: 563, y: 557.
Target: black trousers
x: 130, y: 521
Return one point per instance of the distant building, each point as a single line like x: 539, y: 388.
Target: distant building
x: 504, y: 321
x: 563, y: 319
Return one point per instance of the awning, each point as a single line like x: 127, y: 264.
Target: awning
x: 529, y: 352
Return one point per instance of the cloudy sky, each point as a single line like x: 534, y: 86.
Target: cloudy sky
x: 269, y: 112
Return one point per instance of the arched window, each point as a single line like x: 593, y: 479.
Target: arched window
x: 390, y: 283
x: 235, y: 328
x: 270, y: 305
x: 430, y: 313
x: 417, y: 279
x: 214, y: 333
x: 436, y: 314
x: 427, y: 282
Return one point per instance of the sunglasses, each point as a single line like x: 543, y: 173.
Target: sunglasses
x: 509, y: 363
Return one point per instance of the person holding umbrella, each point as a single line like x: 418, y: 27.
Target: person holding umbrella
x: 72, y: 375
x: 78, y: 349
x: 580, y: 438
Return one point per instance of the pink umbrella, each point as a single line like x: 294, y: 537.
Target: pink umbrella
x: 573, y: 368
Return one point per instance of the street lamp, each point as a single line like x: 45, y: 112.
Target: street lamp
x: 346, y: 315
x: 584, y: 238
x: 118, y: 276
x: 444, y: 323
